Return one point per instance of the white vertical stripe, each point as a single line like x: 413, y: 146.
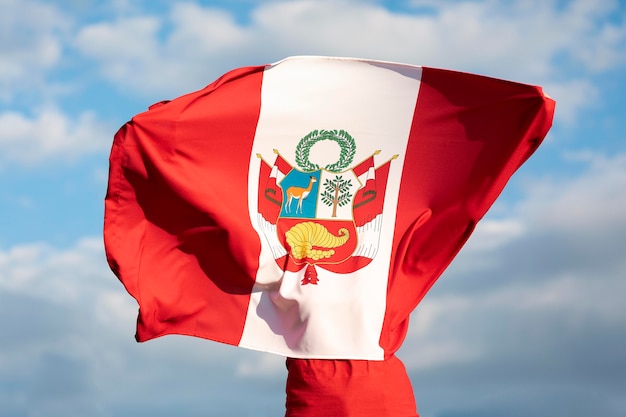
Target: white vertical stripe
x: 341, y: 317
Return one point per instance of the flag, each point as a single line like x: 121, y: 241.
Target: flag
x: 306, y: 207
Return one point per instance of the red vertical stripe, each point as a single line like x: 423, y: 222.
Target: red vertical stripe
x: 169, y: 234
x: 469, y: 134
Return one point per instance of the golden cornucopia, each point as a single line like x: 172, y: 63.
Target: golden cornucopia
x: 303, y: 236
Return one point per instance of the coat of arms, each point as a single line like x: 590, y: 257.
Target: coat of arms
x: 327, y: 217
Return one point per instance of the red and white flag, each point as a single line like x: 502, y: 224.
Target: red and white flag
x: 304, y: 208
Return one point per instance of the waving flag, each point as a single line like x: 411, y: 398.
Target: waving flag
x: 306, y: 207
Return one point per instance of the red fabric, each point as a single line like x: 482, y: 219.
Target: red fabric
x: 470, y: 134
x: 348, y: 388
x: 167, y: 227
x: 177, y: 227
x: 179, y: 235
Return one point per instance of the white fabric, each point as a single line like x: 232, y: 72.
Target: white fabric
x: 341, y: 316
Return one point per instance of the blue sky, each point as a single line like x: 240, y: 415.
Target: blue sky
x: 528, y: 320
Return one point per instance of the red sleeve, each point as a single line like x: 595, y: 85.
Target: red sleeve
x: 349, y: 388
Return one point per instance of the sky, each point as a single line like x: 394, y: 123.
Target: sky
x: 529, y: 320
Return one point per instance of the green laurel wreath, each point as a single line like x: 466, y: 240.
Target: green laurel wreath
x: 341, y: 137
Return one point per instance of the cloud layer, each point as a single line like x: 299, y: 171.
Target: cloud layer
x: 529, y: 320
x: 164, y: 55
x: 532, y: 308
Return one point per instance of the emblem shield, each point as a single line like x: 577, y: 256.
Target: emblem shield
x: 326, y: 217
x: 316, y: 225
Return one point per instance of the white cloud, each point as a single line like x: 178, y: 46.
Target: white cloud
x: 42, y: 271
x: 139, y: 52
x: 70, y: 318
x: 571, y: 96
x: 210, y: 30
x: 261, y: 365
x: 31, y: 43
x: 603, y: 48
x: 589, y: 204
x: 50, y: 135
x: 548, y: 274
x: 523, y: 40
x: 67, y: 347
x: 493, y: 234
x: 128, y: 41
